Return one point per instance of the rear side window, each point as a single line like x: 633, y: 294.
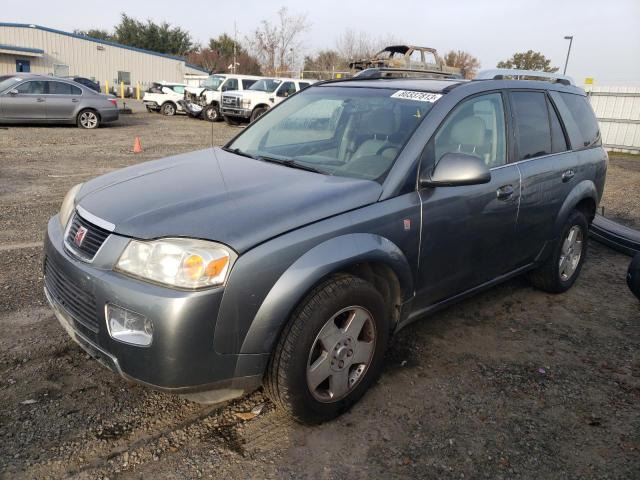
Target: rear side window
x: 246, y: 83
x: 60, y: 88
x: 558, y: 140
x: 532, y: 122
x: 584, y: 118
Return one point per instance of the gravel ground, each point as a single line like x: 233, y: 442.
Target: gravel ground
x: 513, y: 383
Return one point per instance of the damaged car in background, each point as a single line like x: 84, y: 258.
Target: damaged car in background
x: 406, y: 57
x: 164, y: 97
x: 204, y: 101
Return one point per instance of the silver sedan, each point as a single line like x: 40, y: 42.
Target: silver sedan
x: 30, y: 98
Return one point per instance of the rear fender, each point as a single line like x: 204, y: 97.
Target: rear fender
x: 331, y: 256
x: 584, y: 189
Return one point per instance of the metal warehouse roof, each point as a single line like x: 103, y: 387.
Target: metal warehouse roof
x: 96, y: 40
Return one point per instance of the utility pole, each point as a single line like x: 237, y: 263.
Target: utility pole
x: 570, y: 38
x: 235, y: 41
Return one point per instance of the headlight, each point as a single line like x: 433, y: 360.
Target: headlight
x: 68, y: 205
x: 246, y: 102
x: 178, y: 262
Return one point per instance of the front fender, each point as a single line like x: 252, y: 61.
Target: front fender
x: 584, y: 189
x: 330, y: 256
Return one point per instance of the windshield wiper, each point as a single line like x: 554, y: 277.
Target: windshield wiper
x: 292, y: 163
x: 280, y: 161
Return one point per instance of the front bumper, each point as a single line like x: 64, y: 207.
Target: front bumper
x: 236, y: 112
x: 151, y: 104
x: 181, y: 357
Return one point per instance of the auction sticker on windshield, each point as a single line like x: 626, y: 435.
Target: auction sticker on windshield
x: 419, y: 96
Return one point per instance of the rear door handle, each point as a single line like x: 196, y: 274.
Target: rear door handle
x: 505, y: 192
x: 568, y: 175
x: 40, y: 100
x: 75, y: 100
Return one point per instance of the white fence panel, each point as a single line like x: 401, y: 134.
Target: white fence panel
x: 618, y: 113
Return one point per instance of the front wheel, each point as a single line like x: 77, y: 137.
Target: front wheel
x: 561, y: 269
x: 211, y: 113
x: 258, y: 112
x: 330, y: 352
x: 168, y: 109
x: 88, y: 119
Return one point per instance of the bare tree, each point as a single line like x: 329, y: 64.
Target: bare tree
x: 274, y: 43
x: 467, y: 63
x: 353, y: 45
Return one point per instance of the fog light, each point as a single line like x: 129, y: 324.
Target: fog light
x: 128, y: 327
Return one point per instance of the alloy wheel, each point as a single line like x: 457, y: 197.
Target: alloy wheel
x: 341, y: 354
x: 570, y: 253
x: 88, y: 120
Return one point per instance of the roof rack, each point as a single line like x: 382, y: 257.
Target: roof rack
x: 387, y: 72
x: 501, y: 73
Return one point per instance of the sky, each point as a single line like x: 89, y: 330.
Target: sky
x: 606, y: 43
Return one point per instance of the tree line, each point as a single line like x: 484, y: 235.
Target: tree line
x: 275, y: 48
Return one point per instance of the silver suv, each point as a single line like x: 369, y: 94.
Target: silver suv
x: 289, y: 257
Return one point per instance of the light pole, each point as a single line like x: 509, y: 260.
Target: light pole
x: 570, y: 38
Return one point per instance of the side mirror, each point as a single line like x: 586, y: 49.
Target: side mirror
x: 455, y: 169
x: 13, y: 92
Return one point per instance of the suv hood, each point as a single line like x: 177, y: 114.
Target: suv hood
x: 216, y: 195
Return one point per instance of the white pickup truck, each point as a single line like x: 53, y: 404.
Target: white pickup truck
x: 260, y: 97
x: 204, y: 101
x: 164, y: 97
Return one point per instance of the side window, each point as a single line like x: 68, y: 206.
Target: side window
x: 475, y: 127
x: 246, y: 83
x: 60, y: 88
x: 558, y: 140
x: 415, y: 59
x: 583, y: 116
x: 230, y: 84
x: 533, y: 133
x: 178, y: 89
x: 304, y: 85
x: 32, y: 88
x: 286, y: 89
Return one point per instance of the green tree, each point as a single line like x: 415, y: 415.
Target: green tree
x: 218, y: 57
x: 95, y: 33
x: 528, y: 60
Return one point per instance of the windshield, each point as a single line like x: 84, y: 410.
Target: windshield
x: 213, y: 82
x: 351, y: 132
x: 6, y: 82
x: 266, y: 85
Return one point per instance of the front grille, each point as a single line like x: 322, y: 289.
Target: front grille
x: 78, y: 303
x: 92, y: 241
x: 231, y: 101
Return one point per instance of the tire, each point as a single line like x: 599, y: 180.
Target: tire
x: 88, y: 119
x: 168, y: 109
x: 231, y: 121
x: 149, y: 109
x: 257, y: 113
x: 324, y: 331
x: 551, y: 276
x: 211, y: 113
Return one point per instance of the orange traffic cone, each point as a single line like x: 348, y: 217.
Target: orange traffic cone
x: 137, y: 146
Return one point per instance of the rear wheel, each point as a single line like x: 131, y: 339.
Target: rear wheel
x: 330, y: 352
x: 211, y: 113
x: 168, y: 109
x: 258, y: 112
x: 88, y: 119
x: 561, y: 269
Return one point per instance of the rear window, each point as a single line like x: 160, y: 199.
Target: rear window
x: 532, y: 121
x: 582, y: 116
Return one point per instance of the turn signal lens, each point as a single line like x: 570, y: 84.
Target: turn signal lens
x: 193, y: 266
x: 216, y: 267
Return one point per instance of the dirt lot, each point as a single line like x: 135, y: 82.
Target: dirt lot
x: 513, y: 383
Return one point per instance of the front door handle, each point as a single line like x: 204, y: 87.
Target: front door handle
x: 568, y: 175
x: 505, y: 192
x: 40, y: 100
x: 75, y: 100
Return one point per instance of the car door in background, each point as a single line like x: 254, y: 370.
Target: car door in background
x: 546, y: 163
x: 63, y: 100
x: 468, y: 231
x: 25, y: 101
x: 286, y: 89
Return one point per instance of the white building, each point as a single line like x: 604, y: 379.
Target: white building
x: 36, y: 49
